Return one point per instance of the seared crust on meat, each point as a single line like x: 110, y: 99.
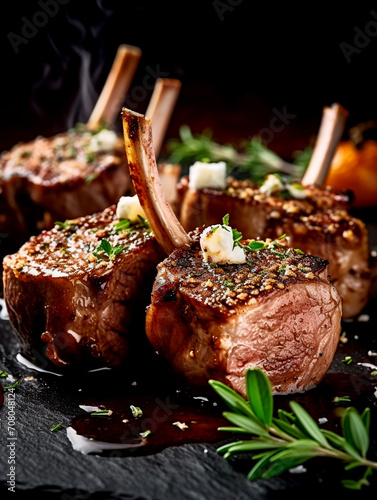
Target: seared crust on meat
x: 62, y: 288
x: 58, y: 178
x: 277, y: 311
x: 319, y: 225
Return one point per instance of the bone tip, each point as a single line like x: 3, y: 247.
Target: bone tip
x: 129, y: 49
x: 169, y: 82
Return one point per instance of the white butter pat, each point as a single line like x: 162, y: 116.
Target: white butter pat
x: 272, y: 184
x: 129, y: 208
x: 207, y: 175
x: 105, y: 141
x: 217, y: 246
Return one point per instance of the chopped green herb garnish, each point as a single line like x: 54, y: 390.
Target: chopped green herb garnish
x: 3, y: 374
x: 136, y: 411
x: 10, y: 386
x: 90, y: 178
x: 229, y: 284
x: 347, y: 360
x: 256, y: 245
x: 342, y: 399
x: 66, y: 225
x: 297, y: 250
x: 145, y: 434
x: 106, y: 247
x: 56, y: 427
x: 226, y: 220
x: 288, y: 439
x: 90, y: 159
x: 102, y: 413
x: 374, y: 373
x: 278, y: 254
x: 122, y: 225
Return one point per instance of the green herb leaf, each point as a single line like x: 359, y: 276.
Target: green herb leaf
x: 256, y: 245
x: 354, y: 431
x: 292, y: 438
x: 226, y: 220
x: 231, y: 398
x: 136, y: 411
x: 56, y: 427
x: 253, y: 425
x: 259, y: 394
x: 106, y: 247
x: 308, y: 424
x: 66, y: 225
x: 7, y: 387
x: 341, y: 399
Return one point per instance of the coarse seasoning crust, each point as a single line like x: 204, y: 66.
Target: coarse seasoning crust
x: 70, y: 248
x: 65, y: 158
x: 224, y: 287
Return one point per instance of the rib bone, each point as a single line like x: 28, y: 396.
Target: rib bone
x: 330, y: 132
x: 144, y: 174
x: 161, y: 107
x: 116, y: 86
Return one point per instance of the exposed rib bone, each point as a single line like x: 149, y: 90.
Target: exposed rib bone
x: 116, y: 86
x: 161, y: 107
x: 144, y: 174
x: 330, y: 132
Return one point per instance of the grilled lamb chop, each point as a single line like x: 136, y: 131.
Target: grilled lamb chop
x: 66, y: 176
x: 278, y: 313
x: 81, y: 288
x: 319, y: 223
x: 81, y: 171
x: 277, y: 310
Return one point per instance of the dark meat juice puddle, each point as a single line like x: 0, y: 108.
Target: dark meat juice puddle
x: 142, y: 415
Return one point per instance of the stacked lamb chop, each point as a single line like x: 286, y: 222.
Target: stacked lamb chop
x: 80, y: 171
x: 316, y: 219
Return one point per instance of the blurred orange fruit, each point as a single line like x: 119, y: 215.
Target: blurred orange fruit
x: 356, y: 169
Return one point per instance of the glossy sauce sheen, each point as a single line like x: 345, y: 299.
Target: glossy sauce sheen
x: 164, y: 400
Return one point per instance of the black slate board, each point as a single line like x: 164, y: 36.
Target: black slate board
x: 49, y: 467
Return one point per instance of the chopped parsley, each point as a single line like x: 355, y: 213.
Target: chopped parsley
x: 228, y: 284
x: 237, y: 236
x: 106, y: 247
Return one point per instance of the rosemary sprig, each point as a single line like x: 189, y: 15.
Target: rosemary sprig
x: 252, y: 159
x: 284, y: 441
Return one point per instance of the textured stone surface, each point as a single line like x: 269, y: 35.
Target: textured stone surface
x: 47, y: 465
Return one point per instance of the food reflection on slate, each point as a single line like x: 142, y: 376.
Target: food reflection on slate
x: 186, y: 279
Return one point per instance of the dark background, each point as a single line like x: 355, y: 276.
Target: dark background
x: 238, y: 61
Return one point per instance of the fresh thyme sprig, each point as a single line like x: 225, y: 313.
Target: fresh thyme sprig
x: 253, y: 158
x: 290, y: 439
